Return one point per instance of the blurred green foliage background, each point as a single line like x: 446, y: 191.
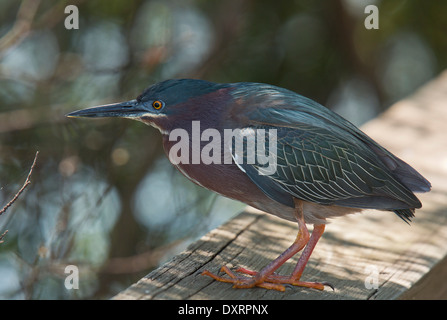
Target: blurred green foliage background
x: 103, y: 196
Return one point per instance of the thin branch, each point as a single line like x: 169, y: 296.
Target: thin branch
x: 2, y: 236
x: 27, y: 182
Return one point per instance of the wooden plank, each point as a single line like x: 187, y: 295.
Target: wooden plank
x: 369, y: 255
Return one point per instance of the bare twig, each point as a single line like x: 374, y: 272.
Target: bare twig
x: 2, y: 236
x: 25, y: 184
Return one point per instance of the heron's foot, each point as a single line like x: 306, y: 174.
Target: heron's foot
x: 288, y: 280
x: 255, y: 279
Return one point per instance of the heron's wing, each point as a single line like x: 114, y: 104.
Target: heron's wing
x: 313, y: 164
x: 279, y: 107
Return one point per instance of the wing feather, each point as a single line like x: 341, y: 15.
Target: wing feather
x: 344, y: 177
x: 322, y: 157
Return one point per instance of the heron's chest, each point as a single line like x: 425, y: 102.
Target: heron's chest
x: 206, y: 162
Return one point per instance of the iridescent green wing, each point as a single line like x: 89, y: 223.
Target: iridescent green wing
x: 313, y: 164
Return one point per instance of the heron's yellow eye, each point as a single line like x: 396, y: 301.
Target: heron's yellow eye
x: 157, y: 104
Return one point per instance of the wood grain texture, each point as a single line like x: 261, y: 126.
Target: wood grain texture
x: 408, y: 261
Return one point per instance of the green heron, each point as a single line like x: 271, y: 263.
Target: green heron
x: 324, y: 165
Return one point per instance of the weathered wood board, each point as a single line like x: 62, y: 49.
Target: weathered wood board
x: 370, y: 255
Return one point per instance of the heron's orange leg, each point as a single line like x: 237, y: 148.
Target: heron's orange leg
x: 294, y: 278
x: 236, y: 278
x: 266, y: 278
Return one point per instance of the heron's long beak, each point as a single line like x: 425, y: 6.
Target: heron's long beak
x: 128, y: 109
